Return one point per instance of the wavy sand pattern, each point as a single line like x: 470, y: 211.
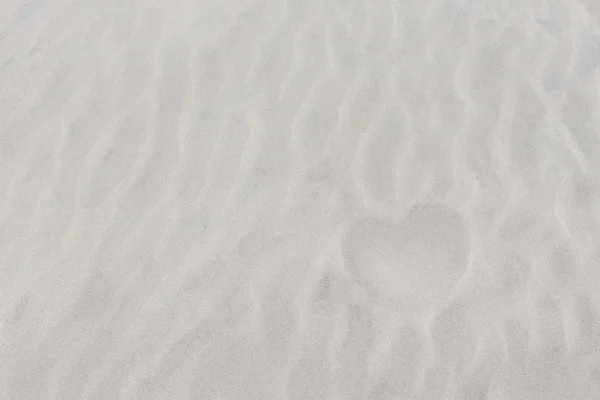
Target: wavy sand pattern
x: 297, y: 200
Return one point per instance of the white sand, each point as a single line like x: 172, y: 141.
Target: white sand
x: 300, y: 199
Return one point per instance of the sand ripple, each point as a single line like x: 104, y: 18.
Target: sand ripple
x: 261, y: 199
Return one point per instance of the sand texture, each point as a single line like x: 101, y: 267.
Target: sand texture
x: 299, y: 200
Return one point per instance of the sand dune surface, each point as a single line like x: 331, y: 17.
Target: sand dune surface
x: 300, y: 200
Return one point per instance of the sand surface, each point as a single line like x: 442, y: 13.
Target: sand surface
x: 299, y: 199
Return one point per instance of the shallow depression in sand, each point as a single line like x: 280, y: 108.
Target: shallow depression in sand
x: 416, y: 261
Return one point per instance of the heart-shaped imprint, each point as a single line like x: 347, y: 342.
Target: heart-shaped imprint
x: 416, y: 261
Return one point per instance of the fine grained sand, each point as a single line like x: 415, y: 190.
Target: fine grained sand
x: 300, y: 199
